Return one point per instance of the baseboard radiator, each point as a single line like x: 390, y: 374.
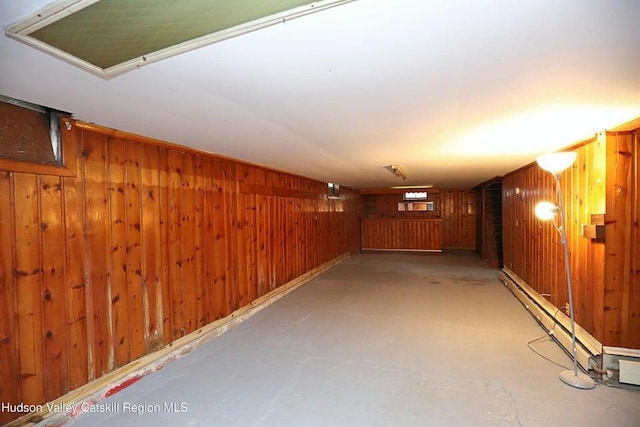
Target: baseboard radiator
x: 617, y: 366
x: 621, y: 365
x: 588, y: 349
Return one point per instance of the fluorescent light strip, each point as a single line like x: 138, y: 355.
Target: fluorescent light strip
x: 409, y: 187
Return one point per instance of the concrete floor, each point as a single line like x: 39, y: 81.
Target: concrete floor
x: 381, y: 339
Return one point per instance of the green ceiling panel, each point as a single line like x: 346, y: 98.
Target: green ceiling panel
x: 112, y: 32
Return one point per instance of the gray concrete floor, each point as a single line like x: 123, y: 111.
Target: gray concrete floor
x: 381, y: 339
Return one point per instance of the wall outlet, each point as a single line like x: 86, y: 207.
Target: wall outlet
x: 567, y: 309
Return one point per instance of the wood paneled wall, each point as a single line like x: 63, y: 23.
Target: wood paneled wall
x: 413, y: 234
x: 459, y: 221
x: 533, y: 249
x: 383, y: 203
x: 603, y: 180
x: 621, y: 304
x: 456, y: 209
x: 147, y: 243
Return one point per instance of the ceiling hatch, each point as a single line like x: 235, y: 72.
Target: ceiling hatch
x: 110, y: 37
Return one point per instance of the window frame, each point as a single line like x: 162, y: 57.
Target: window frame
x: 67, y: 147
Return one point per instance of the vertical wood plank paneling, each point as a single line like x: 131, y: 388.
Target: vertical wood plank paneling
x: 533, y: 249
x: 262, y: 263
x: 133, y: 251
x: 231, y: 217
x: 29, y: 288
x: 309, y: 232
x: 9, y: 339
x: 218, y: 240
x: 249, y: 236
x: 208, y: 210
x: 458, y: 219
x: 199, y: 245
x: 118, y: 243
x: 620, y: 301
x: 456, y: 208
x: 75, y: 267
x: 290, y: 249
x: 632, y: 338
x: 584, y: 172
x: 97, y: 220
x: 156, y: 242
x: 271, y: 236
x: 270, y: 241
x: 281, y: 241
x: 53, y: 279
x: 574, y: 189
x: 242, y: 249
x: 165, y: 199
x: 187, y: 218
x: 398, y: 234
x: 296, y: 254
x: 597, y: 205
x: 174, y: 249
x: 151, y: 248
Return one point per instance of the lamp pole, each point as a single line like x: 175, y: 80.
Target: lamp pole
x: 572, y: 378
x: 556, y: 164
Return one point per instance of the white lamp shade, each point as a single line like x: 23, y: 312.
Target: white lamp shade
x: 556, y: 163
x: 546, y: 211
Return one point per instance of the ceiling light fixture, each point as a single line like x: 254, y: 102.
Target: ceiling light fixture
x: 397, y: 171
x: 411, y: 187
x: 545, y: 211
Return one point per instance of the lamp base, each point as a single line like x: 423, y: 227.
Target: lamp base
x: 580, y: 381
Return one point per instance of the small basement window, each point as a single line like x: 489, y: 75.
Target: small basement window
x: 415, y: 195
x: 30, y: 138
x: 334, y: 190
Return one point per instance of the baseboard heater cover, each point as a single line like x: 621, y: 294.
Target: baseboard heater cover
x: 623, y: 361
x: 549, y: 317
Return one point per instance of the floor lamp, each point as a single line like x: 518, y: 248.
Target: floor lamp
x: 556, y: 164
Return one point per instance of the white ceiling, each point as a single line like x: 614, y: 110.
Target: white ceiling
x: 456, y: 92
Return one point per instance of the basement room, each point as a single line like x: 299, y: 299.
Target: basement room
x: 319, y: 213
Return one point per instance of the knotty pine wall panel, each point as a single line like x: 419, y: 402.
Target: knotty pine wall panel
x: 633, y: 313
x: 8, y: 294
x: 76, y: 290
x: 459, y: 222
x: 603, y: 180
x: 28, y: 271
x: 385, y: 205
x: 53, y: 291
x: 151, y: 248
x: 456, y: 208
x: 402, y: 234
x: 633, y: 319
x: 622, y: 260
x: 146, y: 244
x: 94, y: 178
